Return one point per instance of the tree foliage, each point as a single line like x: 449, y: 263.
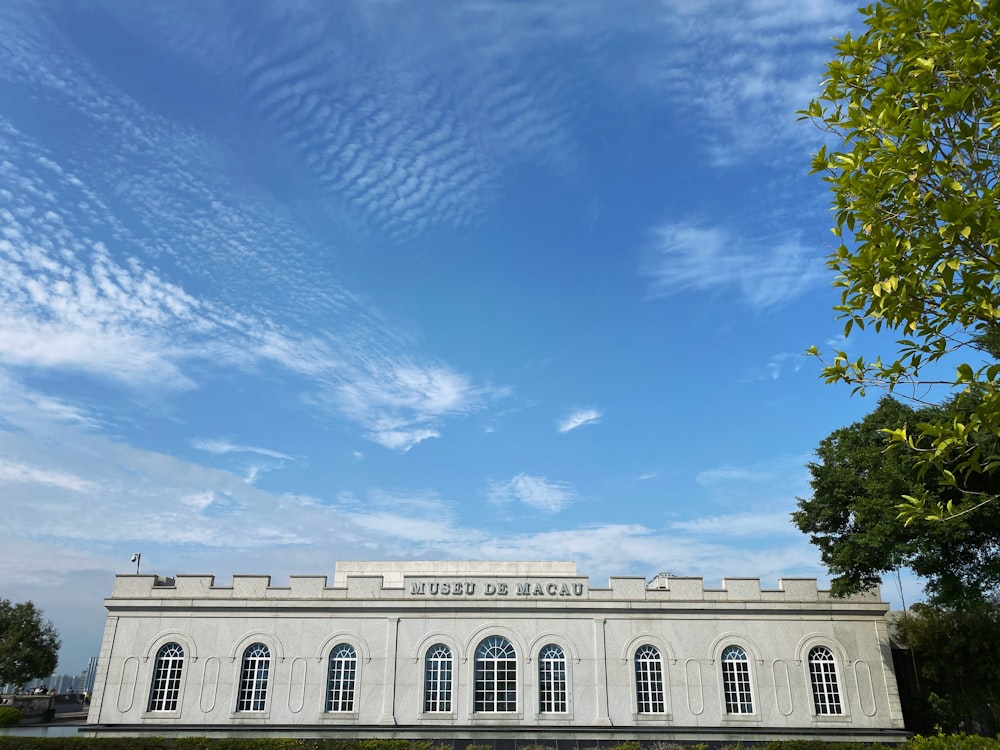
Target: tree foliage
x: 851, y: 516
x: 957, y: 658
x: 913, y: 107
x: 29, y: 646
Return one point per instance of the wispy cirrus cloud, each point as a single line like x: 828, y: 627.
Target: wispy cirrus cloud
x: 535, y: 492
x: 220, y: 446
x: 69, y: 304
x: 732, y: 474
x: 402, y: 405
x: 11, y: 472
x: 579, y: 418
x: 412, y: 118
x: 739, y: 524
x: 778, y: 365
x: 683, y: 256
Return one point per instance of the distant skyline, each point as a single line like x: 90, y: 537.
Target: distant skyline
x: 282, y: 285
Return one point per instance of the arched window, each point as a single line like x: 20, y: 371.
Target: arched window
x: 496, y: 676
x: 252, y: 694
x: 342, y: 677
x: 823, y: 675
x: 551, y: 679
x: 166, y: 687
x: 736, y: 681
x: 649, y: 680
x: 437, y: 679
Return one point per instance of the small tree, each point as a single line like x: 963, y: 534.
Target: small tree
x: 29, y: 646
x: 913, y: 104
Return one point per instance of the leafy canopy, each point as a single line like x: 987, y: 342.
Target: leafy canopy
x: 957, y: 656
x: 913, y: 108
x: 851, y: 516
x: 29, y: 646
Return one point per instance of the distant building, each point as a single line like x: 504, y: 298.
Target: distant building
x: 85, y: 682
x: 474, y: 651
x: 62, y: 683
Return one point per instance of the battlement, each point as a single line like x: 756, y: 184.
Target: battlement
x: 453, y: 582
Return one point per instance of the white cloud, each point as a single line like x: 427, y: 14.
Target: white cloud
x: 221, y: 446
x: 198, y: 500
x: 732, y: 474
x: 25, y: 474
x: 685, y: 257
x: 535, y: 492
x: 402, y: 440
x: 402, y: 405
x: 756, y: 488
x: 68, y: 305
x: 777, y: 366
x: 579, y: 418
x: 738, y: 524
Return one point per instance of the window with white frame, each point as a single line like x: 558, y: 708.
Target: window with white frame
x: 166, y: 687
x: 823, y: 675
x: 496, y: 676
x: 736, y: 681
x: 341, y: 678
x: 552, y: 679
x: 437, y: 679
x: 649, y: 680
x: 256, y: 667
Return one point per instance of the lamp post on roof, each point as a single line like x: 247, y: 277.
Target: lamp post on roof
x: 135, y: 558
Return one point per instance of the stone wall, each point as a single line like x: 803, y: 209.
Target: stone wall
x: 393, y: 615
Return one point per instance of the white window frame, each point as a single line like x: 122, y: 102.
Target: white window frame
x: 495, y: 683
x: 737, y: 686
x: 827, y: 700
x: 649, y: 693
x: 165, y: 687
x: 439, y: 679
x: 553, y: 684
x: 255, y: 672
x: 341, y: 679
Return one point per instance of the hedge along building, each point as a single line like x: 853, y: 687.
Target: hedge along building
x: 478, y: 651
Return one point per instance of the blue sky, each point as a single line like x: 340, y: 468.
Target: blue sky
x: 282, y: 284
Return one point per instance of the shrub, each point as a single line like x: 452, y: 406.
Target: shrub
x: 9, y: 716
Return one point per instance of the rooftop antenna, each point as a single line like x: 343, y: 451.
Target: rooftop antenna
x: 135, y: 558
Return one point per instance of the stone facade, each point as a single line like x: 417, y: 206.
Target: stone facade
x: 449, y: 650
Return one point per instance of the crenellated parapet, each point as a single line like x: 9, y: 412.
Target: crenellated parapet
x: 478, y: 581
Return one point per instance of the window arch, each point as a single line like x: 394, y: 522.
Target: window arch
x: 823, y: 676
x: 649, y: 680
x: 552, y: 679
x: 165, y: 689
x: 437, y: 679
x: 496, y: 676
x: 736, y: 681
x: 341, y: 678
x: 254, y: 673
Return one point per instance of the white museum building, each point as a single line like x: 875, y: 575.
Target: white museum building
x: 493, y: 651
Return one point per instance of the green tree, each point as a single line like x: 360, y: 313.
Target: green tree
x: 29, y: 646
x: 957, y: 658
x: 913, y: 109
x: 851, y: 517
